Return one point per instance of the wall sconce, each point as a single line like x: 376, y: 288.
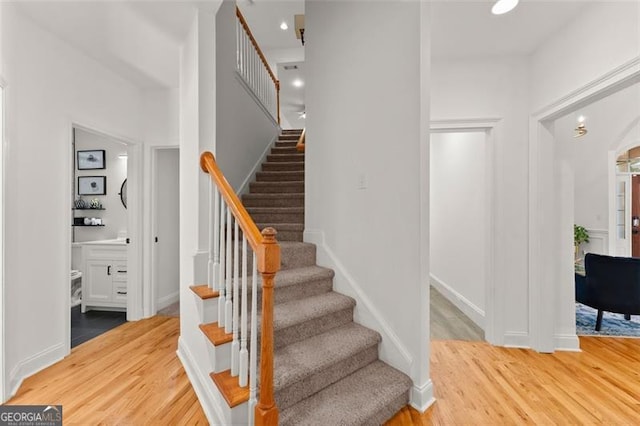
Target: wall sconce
x: 581, y: 130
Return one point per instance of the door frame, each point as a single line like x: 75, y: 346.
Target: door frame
x: 548, y: 240
x: 493, y: 318
x: 150, y: 286
x: 3, y: 142
x: 134, y: 211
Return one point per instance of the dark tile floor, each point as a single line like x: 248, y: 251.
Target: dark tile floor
x: 92, y: 324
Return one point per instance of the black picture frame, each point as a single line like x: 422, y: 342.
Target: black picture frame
x: 92, y: 185
x: 93, y: 159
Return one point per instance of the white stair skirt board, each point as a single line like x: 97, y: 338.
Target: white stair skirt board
x: 244, y: 187
x: 474, y: 313
x: 422, y: 397
x: 210, y: 399
x: 391, y: 349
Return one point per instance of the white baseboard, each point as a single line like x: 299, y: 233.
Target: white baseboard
x: 392, y: 351
x: 516, y: 339
x: 168, y: 300
x: 474, y: 313
x: 196, y: 377
x: 32, y: 365
x: 567, y: 342
x: 244, y: 187
x: 422, y: 396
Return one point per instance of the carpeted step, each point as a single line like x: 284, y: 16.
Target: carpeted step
x: 286, y: 231
x: 286, y: 144
x: 291, y: 131
x: 280, y: 176
x: 277, y: 214
x: 283, y: 167
x: 276, y: 187
x: 273, y: 200
x: 370, y: 396
x: 298, y: 283
x: 289, y: 137
x: 284, y: 150
x: 297, y: 255
x: 306, y: 367
x: 285, y: 158
x: 301, y: 319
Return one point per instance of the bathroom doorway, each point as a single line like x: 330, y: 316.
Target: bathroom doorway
x: 103, y: 259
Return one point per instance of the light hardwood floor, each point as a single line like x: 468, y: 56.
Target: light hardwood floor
x: 131, y: 376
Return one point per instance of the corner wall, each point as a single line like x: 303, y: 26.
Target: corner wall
x: 363, y: 168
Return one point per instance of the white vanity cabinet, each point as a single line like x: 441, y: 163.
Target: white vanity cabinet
x: 104, y: 282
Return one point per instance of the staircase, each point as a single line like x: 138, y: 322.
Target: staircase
x: 326, y: 367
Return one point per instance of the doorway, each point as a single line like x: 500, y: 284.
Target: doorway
x: 103, y: 243
x: 460, y: 231
x: 166, y: 231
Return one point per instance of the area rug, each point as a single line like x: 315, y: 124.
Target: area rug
x: 612, y: 324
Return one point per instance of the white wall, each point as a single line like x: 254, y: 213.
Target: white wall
x: 115, y: 214
x: 605, y: 36
x: 497, y: 88
x: 49, y: 86
x: 244, y: 131
x: 167, y: 227
x: 363, y: 164
x: 458, y: 218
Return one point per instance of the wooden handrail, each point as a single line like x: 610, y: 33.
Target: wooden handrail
x: 267, y: 251
x: 301, y: 141
x: 255, y: 44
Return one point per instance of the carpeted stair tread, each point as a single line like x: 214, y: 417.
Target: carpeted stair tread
x: 291, y: 277
x: 284, y: 150
x: 285, y: 158
x: 370, y: 396
x: 273, y: 200
x: 285, y: 176
x: 277, y: 214
x: 283, y: 166
x: 286, y: 144
x: 277, y: 187
x: 282, y: 226
x: 304, y: 368
x: 298, y: 311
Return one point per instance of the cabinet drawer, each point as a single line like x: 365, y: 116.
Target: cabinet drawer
x: 119, y: 272
x: 119, y: 292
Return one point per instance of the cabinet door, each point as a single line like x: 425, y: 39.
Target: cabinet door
x: 99, y: 281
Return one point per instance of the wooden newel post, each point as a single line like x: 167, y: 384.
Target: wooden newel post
x: 268, y: 264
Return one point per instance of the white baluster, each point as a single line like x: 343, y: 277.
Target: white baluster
x: 228, y: 307
x: 210, y: 276
x: 253, y: 369
x: 222, y: 269
x: 235, y: 345
x: 216, y: 240
x: 244, y: 354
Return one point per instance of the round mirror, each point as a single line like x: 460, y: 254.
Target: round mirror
x: 123, y: 193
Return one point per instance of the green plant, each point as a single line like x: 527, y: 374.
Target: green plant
x: 580, y: 235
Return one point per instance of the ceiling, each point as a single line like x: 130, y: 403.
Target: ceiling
x: 264, y: 18
x: 139, y: 40
x: 467, y: 29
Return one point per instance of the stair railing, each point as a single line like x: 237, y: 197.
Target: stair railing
x: 226, y: 212
x: 301, y: 140
x: 255, y: 70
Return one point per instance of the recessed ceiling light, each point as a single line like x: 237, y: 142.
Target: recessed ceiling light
x: 284, y: 26
x: 503, y: 6
x: 297, y: 83
x: 581, y: 119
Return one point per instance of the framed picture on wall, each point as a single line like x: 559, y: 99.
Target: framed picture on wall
x: 92, y: 185
x: 91, y: 160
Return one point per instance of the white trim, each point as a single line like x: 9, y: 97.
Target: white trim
x: 167, y: 300
x: 421, y: 397
x: 33, y: 364
x: 257, y: 100
x: 392, y: 350
x: 601, y: 235
x: 244, y: 186
x: 516, y: 339
x: 3, y: 140
x: 149, y: 286
x: 567, y: 342
x: 542, y: 180
x: 207, y: 400
x: 493, y: 323
x: 474, y: 313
